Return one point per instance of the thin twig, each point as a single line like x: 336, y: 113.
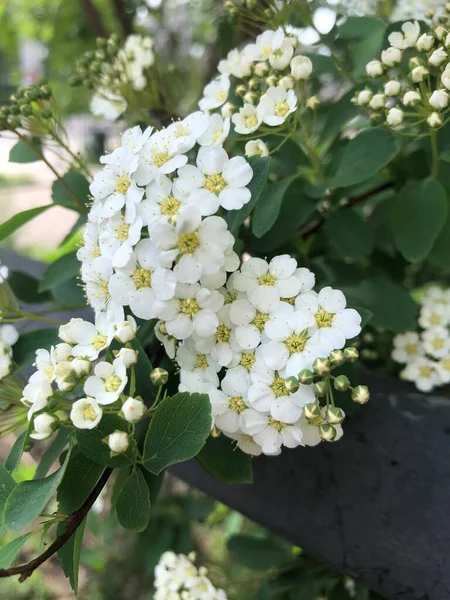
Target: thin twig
x: 73, y: 522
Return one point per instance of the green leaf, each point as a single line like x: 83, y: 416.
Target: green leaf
x: 29, y: 498
x: 223, y: 459
x: 367, y: 48
x: 78, y: 185
x: 13, y: 461
x: 257, y: 554
x: 418, y: 214
x: 24, y: 350
x: 178, y: 431
x: 338, y: 114
x: 261, y: 170
x: 65, y: 268
x: 78, y: 482
x: 269, y: 205
x: 9, y: 552
x: 143, y: 368
x: 26, y: 288
x: 363, y: 156
x: 349, y: 234
x: 358, y: 27
x: 92, y: 445
x: 16, y: 222
x: 52, y: 453
x: 22, y: 153
x: 154, y: 483
x: 69, y: 555
x: 133, y: 503
x: 366, y: 315
x: 7, y: 484
x: 70, y: 292
x: 440, y: 253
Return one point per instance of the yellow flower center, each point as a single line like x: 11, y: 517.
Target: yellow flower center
x: 438, y: 343
x: 201, y: 362
x: 215, y: 183
x: 251, y: 121
x: 170, y: 206
x: 188, y: 243
x: 217, y: 134
x: 237, y: 404
x: 260, y: 320
x: 223, y: 333
x: 248, y: 359
x: 281, y: 109
x: 290, y: 301
x: 122, y: 232
x: 221, y: 96
x: 189, y: 306
x: 445, y: 364
x: 267, y: 279
x: 266, y: 51
x: 324, y: 318
x: 278, y: 387
x: 425, y: 371
x: 230, y: 297
x: 99, y: 342
x: 181, y: 130
x: 296, y: 342
x: 411, y: 348
x: 142, y: 278
x: 112, y: 383
x: 122, y: 184
x: 278, y: 425
x: 96, y: 252
x: 89, y: 413
x: 160, y: 158
x: 435, y: 319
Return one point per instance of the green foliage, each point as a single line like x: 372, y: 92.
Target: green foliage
x: 28, y: 343
x: 222, y: 459
x: 16, y: 222
x: 92, y: 444
x: 70, y: 554
x: 51, y: 454
x: 26, y: 151
x: 133, y: 503
x: 26, y: 288
x: 258, y: 554
x: 9, y: 552
x: 72, y: 191
x: 64, y: 269
x: 79, y: 480
x: 269, y: 205
x: 349, y: 234
x: 7, y: 484
x: 178, y: 431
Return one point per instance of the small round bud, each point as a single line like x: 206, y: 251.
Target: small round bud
x: 341, y: 383
x: 321, y: 366
x: 46, y: 91
x: 240, y: 90
x: 128, y: 356
x: 118, y: 441
x: 251, y: 98
x: 287, y: 82
x: 434, y: 120
x: 133, y: 410
x: 254, y: 84
x: 272, y: 80
x: 261, y: 69
x: 81, y: 366
x: 312, y: 411
x: 26, y: 110
x: 159, y: 376
x: 327, y: 432
x: 335, y: 415
x: 313, y: 103
x: 337, y: 358
x: 440, y: 32
x: 126, y: 330
x: 351, y: 354
x: 46, y: 113
x: 291, y: 384
x: 360, y: 394
x: 228, y: 109
x: 320, y: 388
x: 306, y: 377
x: 67, y: 384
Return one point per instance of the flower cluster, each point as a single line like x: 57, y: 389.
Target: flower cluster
x: 177, y: 578
x: 8, y: 336
x: 259, y: 85
x: 426, y: 353
x: 116, y: 73
x: 418, y: 95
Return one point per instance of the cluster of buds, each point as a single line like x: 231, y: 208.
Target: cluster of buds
x: 416, y: 95
x: 30, y: 108
x: 235, y: 8
x: 328, y: 417
x: 98, y: 63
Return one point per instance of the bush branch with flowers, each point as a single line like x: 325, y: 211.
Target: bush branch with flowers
x: 230, y: 259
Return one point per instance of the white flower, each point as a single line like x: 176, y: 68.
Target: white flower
x: 438, y: 57
x: 276, y: 105
x: 8, y: 334
x: 222, y: 346
x: 374, y: 68
x: 436, y: 341
x: 407, y: 39
x: 118, y: 441
x: 265, y: 45
x: 46, y: 362
x: 437, y: 295
x: 235, y: 64
x: 445, y: 78
x: 86, y: 413
x: 443, y: 369
x: 162, y: 203
x: 229, y: 403
x: 37, y: 392
x: 107, y: 105
x: 301, y: 67
x: 168, y: 341
x: 418, y: 73
x: 433, y: 315
x: 247, y: 120
x: 425, y: 42
x: 6, y: 363
x: 89, y: 339
x: 188, y: 131
x: 43, y: 426
x: 281, y: 58
x: 246, y: 443
x: 203, y: 365
x: 363, y: 98
x: 217, y: 131
x: 391, y: 56
x: 126, y: 330
x: 135, y: 56
x: 142, y: 281
x: 90, y: 251
x: 423, y: 373
x: 392, y: 88
x: 133, y: 410
x: 108, y: 381
x: 378, y: 101
x: 4, y: 272
x: 198, y: 246
x: 394, y: 117
x: 407, y: 347
x: 215, y: 93
x: 411, y: 98
x: 439, y: 99
x: 250, y: 323
x: 160, y: 155
x: 271, y: 434
x: 118, y: 238
x: 256, y: 148
x: 96, y: 279
x: 193, y: 309
x: 216, y: 181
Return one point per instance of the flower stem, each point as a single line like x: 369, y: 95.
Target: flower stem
x: 434, y: 155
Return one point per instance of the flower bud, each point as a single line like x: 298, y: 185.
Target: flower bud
x: 44, y: 425
x: 261, y: 69
x: 81, y: 367
x: 335, y: 415
x: 374, y: 68
x: 272, y: 80
x: 425, y: 42
x: 447, y: 41
x: 128, y: 356
x: 306, y: 377
x: 360, y: 394
x: 378, y: 101
x: 256, y: 148
x: 351, y: 354
x: 301, y: 67
x: 118, y: 441
x: 133, y: 410
x: 159, y: 377
x: 411, y: 98
x: 337, y: 357
x: 313, y: 102
x: 126, y: 331
x: 439, y: 99
x: 392, y: 88
x: 240, y: 90
x: 341, y: 383
x: 438, y: 57
x: 363, y: 98
x: 320, y: 388
x: 67, y: 384
x: 291, y: 384
x: 327, y: 432
x: 434, y: 120
x: 61, y: 352
x: 394, y: 117
x: 254, y: 84
x: 287, y: 82
x: 251, y: 98
x: 391, y: 56
x: 321, y: 366
x: 312, y: 411
x: 440, y: 32
x: 418, y: 73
